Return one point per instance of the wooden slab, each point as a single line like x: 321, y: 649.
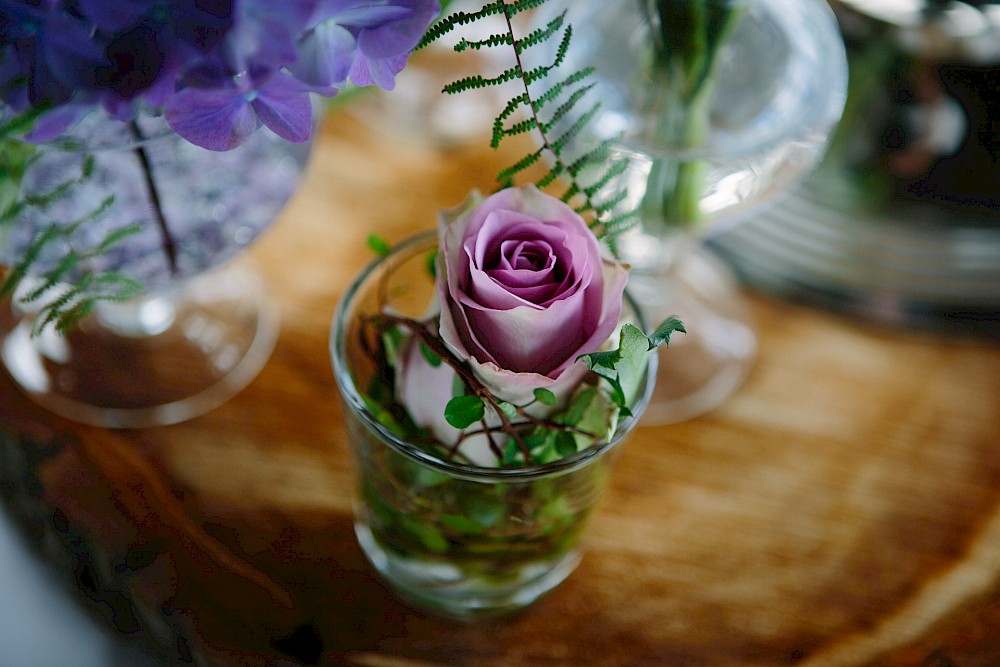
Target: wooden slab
x: 842, y: 509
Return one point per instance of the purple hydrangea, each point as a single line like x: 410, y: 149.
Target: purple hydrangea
x: 218, y: 69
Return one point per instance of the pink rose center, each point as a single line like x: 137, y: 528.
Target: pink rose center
x: 528, y: 269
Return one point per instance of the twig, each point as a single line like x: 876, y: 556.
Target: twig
x: 169, y: 245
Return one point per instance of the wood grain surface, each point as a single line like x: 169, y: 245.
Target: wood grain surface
x: 843, y: 508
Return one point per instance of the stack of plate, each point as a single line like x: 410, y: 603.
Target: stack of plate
x: 897, y: 269
x: 901, y: 223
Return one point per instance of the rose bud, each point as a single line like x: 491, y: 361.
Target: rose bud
x: 524, y: 289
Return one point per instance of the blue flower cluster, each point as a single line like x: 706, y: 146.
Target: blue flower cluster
x: 217, y: 69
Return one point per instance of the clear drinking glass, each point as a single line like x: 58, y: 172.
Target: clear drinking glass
x: 463, y: 541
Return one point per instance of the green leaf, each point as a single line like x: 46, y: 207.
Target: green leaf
x: 430, y: 356
x: 623, y: 368
x: 379, y: 245
x: 430, y: 538
x: 634, y: 351
x: 384, y: 417
x: 511, y: 454
x: 457, y: 386
x: 508, y: 409
x: 463, y: 411
x: 392, y: 338
x: 431, y: 263
x: 461, y: 524
x: 545, y: 396
x: 593, y: 412
x: 565, y: 444
x: 662, y: 334
x: 487, y: 512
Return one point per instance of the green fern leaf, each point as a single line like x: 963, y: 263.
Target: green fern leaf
x: 67, y: 292
x: 547, y: 112
x: 506, y: 176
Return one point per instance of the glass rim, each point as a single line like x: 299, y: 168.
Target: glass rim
x: 351, y: 395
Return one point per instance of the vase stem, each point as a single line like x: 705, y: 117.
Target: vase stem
x: 169, y: 245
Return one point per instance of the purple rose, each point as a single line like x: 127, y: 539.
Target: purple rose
x: 524, y: 289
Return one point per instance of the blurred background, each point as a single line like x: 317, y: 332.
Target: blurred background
x: 900, y: 224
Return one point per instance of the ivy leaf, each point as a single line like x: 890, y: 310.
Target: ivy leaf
x: 545, y: 396
x: 594, y: 412
x: 662, y: 334
x: 622, y: 368
x: 463, y: 411
x: 631, y: 367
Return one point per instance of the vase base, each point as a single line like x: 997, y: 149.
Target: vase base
x: 705, y: 366
x: 162, y: 359
x: 444, y: 590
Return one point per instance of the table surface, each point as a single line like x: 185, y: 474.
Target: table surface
x: 843, y: 508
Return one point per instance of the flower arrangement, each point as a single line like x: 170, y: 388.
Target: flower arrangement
x: 483, y: 408
x: 511, y: 366
x: 528, y: 296
x: 215, y: 71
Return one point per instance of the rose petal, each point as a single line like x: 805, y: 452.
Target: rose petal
x: 531, y: 340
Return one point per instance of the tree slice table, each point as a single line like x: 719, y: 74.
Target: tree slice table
x: 843, y: 508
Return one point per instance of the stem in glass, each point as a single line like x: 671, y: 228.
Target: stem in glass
x: 686, y: 38
x: 167, y: 239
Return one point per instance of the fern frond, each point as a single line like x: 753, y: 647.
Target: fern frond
x: 59, y: 305
x: 524, y: 5
x: 82, y: 299
x: 595, y: 155
x: 560, y: 142
x: 452, y: 21
x: 611, y: 173
x: 559, y: 113
x: 556, y: 90
x: 538, y: 73
x: 67, y: 291
x: 52, y: 278
x: 542, y: 34
x: 31, y: 253
x: 506, y: 176
x: 114, y: 237
x: 480, y: 44
x: 480, y: 81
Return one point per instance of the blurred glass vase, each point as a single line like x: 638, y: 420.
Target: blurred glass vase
x: 177, y: 328
x: 715, y: 108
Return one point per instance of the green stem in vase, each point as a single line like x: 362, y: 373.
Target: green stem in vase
x: 168, y: 242
x: 686, y: 38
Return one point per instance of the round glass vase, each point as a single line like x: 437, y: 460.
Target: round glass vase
x: 718, y: 107
x: 460, y: 541
x: 201, y: 327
